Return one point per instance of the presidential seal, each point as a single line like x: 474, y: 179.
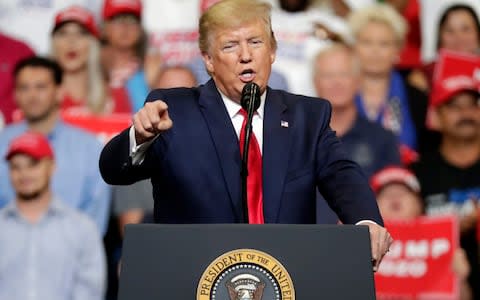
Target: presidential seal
x: 245, y: 274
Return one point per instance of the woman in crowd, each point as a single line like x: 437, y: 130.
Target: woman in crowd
x: 76, y: 47
x: 130, y: 70
x: 384, y: 96
x: 458, y: 30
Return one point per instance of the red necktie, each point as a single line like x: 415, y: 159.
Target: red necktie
x: 254, y: 178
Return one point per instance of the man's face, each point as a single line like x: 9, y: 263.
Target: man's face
x: 335, y: 78
x: 36, y: 93
x: 238, y: 56
x: 29, y: 177
x: 397, y: 202
x: 459, y: 118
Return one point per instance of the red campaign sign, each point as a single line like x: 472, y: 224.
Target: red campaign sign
x: 419, y: 263
x: 105, y: 127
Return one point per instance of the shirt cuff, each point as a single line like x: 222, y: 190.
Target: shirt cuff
x: 362, y: 222
x: 137, y: 152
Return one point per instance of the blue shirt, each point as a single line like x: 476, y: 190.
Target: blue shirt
x: 395, y: 113
x: 371, y: 146
x: 61, y: 257
x: 77, y: 177
x: 137, y: 89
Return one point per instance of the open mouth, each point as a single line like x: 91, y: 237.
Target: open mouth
x: 247, y: 75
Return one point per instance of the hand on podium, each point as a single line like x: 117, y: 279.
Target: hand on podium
x: 380, y: 242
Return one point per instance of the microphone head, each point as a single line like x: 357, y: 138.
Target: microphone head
x: 250, y: 96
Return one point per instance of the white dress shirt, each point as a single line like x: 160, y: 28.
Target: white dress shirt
x: 233, y: 109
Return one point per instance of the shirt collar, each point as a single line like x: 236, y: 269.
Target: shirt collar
x: 59, y: 125
x: 233, y: 107
x: 55, y: 130
x: 55, y: 207
x: 10, y: 209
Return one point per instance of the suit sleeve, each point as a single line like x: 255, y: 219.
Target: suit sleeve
x: 115, y: 162
x: 341, y: 181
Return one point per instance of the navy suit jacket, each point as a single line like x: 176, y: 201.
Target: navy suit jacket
x: 195, y: 166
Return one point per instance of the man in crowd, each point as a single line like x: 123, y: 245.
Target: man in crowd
x: 336, y: 78
x: 398, y: 194
x: 450, y: 177
x: 77, y: 180
x: 195, y: 165
x: 399, y: 199
x: 48, y: 249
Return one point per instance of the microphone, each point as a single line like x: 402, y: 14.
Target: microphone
x: 250, y: 102
x: 250, y: 97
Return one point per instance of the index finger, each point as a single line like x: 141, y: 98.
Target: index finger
x: 160, y: 106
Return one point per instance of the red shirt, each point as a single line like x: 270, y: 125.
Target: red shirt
x: 410, y: 54
x: 117, y: 103
x: 11, y: 52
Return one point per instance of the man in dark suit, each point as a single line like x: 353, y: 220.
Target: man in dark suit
x: 186, y: 140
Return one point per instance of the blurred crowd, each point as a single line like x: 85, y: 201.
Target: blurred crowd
x: 402, y: 77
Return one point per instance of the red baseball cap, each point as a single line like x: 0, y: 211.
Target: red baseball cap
x: 32, y: 144
x: 112, y: 8
x: 394, y: 174
x: 78, y: 15
x: 454, y: 73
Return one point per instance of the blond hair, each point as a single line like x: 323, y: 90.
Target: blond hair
x: 228, y: 14
x: 379, y: 13
x: 97, y: 91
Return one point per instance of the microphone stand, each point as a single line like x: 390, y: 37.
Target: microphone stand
x: 248, y: 131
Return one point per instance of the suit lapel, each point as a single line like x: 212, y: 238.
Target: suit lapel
x: 225, y: 141
x: 276, y: 148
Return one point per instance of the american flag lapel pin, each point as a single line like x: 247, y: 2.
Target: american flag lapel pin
x: 284, y: 124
